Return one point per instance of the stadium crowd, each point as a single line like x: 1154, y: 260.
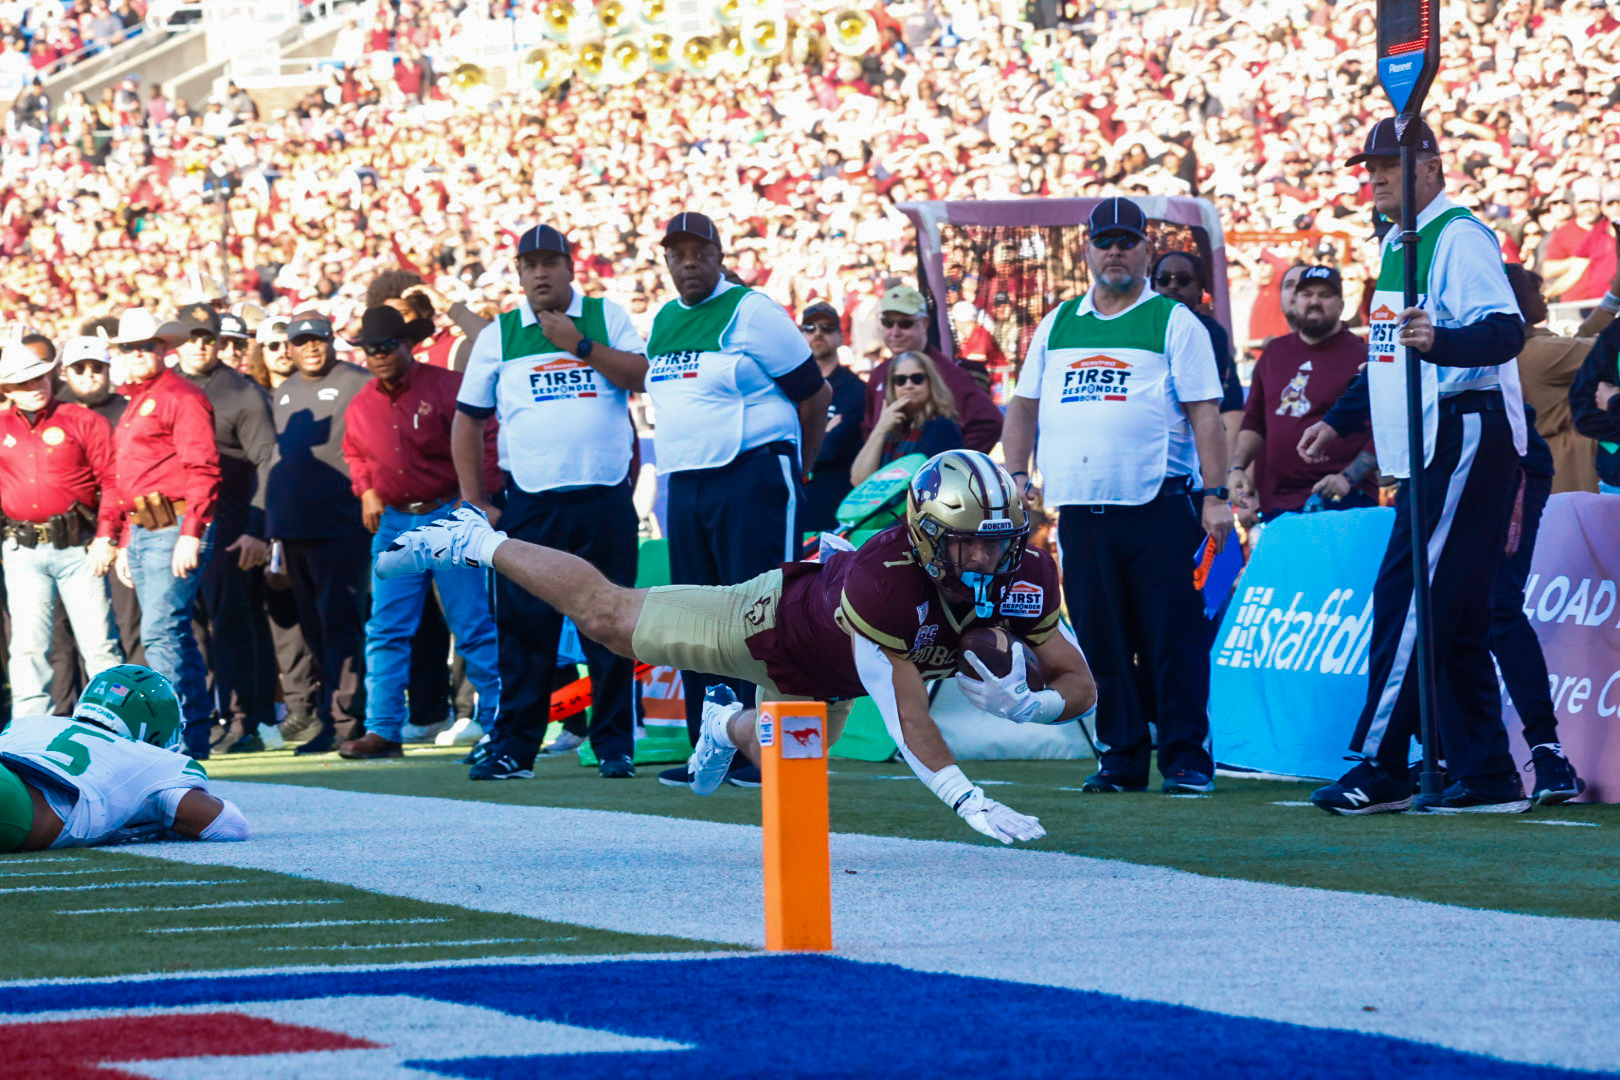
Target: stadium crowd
x: 343, y: 203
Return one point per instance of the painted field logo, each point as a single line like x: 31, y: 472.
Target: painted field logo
x: 559, y: 380
x: 1264, y: 634
x: 1096, y: 378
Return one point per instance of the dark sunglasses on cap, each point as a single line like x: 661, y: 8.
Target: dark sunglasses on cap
x: 898, y: 324
x: 381, y: 348
x: 1123, y: 241
x: 1176, y: 281
x: 916, y: 379
x: 821, y: 327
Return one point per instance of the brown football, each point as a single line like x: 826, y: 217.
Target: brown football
x: 993, y: 646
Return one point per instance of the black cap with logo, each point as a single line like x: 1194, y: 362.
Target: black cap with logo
x: 1322, y: 275
x: 690, y: 224
x: 1117, y: 215
x: 1384, y: 142
x: 543, y: 238
x: 199, y: 317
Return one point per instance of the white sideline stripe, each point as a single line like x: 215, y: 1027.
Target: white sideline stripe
x: 119, y: 885
x: 414, y: 944
x: 33, y: 860
x: 66, y: 873
x: 401, y: 965
x: 1291, y: 802
x: 193, y: 907
x: 1542, y: 992
x: 1581, y: 824
x: 287, y: 925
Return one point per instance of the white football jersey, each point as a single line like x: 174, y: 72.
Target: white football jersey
x: 117, y: 781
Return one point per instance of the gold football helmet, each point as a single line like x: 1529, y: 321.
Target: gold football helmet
x: 967, y: 526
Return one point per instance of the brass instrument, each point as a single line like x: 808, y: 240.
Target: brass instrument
x: 469, y: 86
x: 851, y: 31
x: 559, y: 19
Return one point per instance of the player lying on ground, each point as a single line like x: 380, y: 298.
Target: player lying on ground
x: 883, y: 620
x: 110, y: 774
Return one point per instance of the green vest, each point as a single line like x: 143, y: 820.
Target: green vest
x: 693, y: 329
x: 692, y: 381
x: 519, y: 340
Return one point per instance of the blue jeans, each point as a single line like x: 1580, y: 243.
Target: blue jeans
x: 396, y: 611
x: 31, y: 576
x: 166, y: 606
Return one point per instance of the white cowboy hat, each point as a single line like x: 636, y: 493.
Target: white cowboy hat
x: 20, y: 364
x: 137, y: 324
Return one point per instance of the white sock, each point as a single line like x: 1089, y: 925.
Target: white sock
x: 720, y: 730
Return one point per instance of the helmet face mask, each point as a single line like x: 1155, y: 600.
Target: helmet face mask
x: 134, y: 702
x: 967, y: 525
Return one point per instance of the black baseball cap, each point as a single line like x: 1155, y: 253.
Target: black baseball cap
x: 821, y: 307
x: 310, y: 325
x: 1383, y: 142
x: 543, y: 238
x: 1115, y: 215
x: 1324, y: 275
x: 687, y: 223
x: 380, y: 323
x: 199, y: 317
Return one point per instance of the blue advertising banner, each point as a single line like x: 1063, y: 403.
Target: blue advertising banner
x: 1289, y: 670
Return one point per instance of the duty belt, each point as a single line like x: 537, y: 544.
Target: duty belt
x: 416, y: 509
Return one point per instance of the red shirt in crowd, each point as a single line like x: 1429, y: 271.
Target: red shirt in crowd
x: 61, y: 455
x: 164, y: 443
x: 397, y: 440
x: 1293, y: 386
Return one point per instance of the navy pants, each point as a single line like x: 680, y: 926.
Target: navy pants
x: 599, y: 525
x: 235, y: 633
x: 1513, y: 640
x: 727, y: 525
x: 1469, y: 485
x: 1128, y: 579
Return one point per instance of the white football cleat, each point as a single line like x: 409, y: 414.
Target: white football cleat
x: 711, y: 757
x: 462, y: 539
x: 464, y: 732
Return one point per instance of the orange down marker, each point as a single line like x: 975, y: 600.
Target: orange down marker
x: 798, y: 865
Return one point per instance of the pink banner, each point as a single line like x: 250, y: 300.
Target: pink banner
x: 1573, y: 601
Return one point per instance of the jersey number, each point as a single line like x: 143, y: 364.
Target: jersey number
x: 78, y: 756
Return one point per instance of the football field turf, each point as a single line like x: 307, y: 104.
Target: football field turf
x: 568, y: 917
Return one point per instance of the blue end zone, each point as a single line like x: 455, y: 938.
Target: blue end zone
x: 819, y: 1017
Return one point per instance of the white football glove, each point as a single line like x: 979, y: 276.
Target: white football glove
x: 996, y: 821
x: 1009, y: 696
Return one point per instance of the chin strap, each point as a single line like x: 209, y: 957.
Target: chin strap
x: 984, y: 601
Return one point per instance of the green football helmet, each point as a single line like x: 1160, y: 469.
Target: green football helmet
x: 135, y: 702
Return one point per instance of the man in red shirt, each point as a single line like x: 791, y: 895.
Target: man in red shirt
x: 903, y: 315
x: 168, y: 484
x: 397, y: 445
x: 1296, y: 380
x: 56, y: 461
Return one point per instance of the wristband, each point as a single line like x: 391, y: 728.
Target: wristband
x: 1610, y: 302
x: 1050, y: 707
x: 951, y: 786
x: 485, y: 555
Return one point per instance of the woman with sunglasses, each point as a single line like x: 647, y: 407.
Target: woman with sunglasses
x: 918, y: 417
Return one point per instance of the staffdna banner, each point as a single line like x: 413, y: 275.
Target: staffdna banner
x: 1289, y: 669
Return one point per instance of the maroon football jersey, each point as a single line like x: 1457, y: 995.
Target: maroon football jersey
x: 882, y: 592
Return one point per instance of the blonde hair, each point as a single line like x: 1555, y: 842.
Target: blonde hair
x: 941, y: 402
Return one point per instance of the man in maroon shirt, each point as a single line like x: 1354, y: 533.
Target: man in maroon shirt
x: 56, y: 460
x: 1296, y: 380
x: 903, y: 315
x: 883, y: 620
x: 167, y: 483
x: 397, y: 444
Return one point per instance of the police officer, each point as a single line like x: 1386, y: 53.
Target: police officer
x: 60, y: 530
x: 740, y: 404
x: 556, y: 372
x: 238, y: 634
x: 829, y: 477
x: 168, y: 484
x: 1122, y: 388
x: 1467, y: 330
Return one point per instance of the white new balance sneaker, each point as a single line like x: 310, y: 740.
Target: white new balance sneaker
x: 464, y: 732
x: 712, y: 755
x: 462, y: 539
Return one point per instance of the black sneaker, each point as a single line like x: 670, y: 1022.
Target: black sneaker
x: 297, y: 729
x: 1369, y: 788
x: 616, y: 768
x: 1556, y: 781
x: 480, y: 751
x: 745, y: 776
x: 1104, y: 782
x: 1501, y: 794
x: 676, y: 777
x: 324, y: 743
x: 1188, y: 782
x: 247, y: 744
x: 501, y: 767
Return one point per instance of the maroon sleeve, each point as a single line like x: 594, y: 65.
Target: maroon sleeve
x: 1254, y: 409
x: 981, y: 419
x: 880, y: 598
x: 353, y: 454
x: 193, y: 429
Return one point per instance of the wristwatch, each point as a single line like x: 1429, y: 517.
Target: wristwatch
x: 583, y: 349
x: 1221, y: 493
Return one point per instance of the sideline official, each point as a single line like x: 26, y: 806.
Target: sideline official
x: 1122, y: 388
x: 741, y: 405
x: 1466, y: 330
x: 557, y: 373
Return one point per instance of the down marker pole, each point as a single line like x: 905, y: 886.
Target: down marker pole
x: 798, y: 862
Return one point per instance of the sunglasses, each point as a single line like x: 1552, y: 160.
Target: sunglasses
x: 820, y: 327
x: 898, y: 324
x: 274, y: 346
x: 919, y: 379
x: 1123, y: 241
x: 1178, y: 281
x: 381, y: 348
x: 139, y: 346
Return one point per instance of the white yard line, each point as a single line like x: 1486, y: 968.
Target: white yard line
x: 1538, y: 989
x: 119, y: 885
x: 289, y: 925
x: 194, y: 907
x: 66, y: 873
x: 415, y: 944
x: 1579, y: 824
